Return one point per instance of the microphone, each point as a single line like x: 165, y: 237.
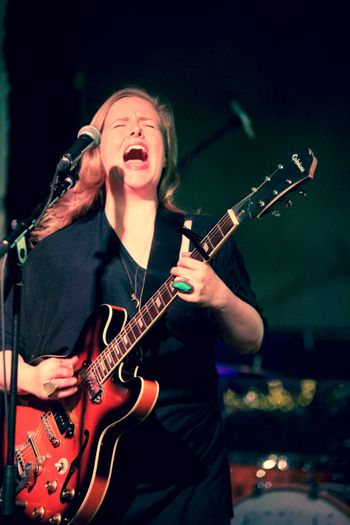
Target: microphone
x: 88, y: 137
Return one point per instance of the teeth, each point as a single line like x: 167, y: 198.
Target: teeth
x: 134, y: 146
x: 135, y: 152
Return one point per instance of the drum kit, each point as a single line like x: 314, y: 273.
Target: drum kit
x: 289, y: 447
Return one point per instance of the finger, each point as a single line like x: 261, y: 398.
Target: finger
x: 180, y: 272
x: 73, y: 360
x: 63, y: 372
x: 66, y: 392
x: 65, y: 383
x: 188, y: 262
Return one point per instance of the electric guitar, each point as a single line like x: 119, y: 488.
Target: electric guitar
x: 65, y: 449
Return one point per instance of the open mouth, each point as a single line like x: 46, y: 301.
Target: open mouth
x: 135, y: 152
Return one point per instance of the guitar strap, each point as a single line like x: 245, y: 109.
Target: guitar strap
x: 185, y: 243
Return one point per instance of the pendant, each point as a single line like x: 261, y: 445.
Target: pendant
x: 134, y: 298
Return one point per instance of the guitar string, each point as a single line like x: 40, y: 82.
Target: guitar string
x: 27, y: 449
x: 225, y: 221
x: 133, y: 323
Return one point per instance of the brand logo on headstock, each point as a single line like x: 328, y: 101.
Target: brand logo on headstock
x: 297, y: 162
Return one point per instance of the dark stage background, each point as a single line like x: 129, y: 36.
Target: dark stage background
x: 289, y: 72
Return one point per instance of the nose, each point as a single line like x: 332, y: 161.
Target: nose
x: 136, y: 131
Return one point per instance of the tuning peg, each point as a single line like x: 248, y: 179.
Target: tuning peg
x: 302, y: 192
x: 276, y: 214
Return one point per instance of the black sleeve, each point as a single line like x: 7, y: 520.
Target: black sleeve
x: 230, y: 266
x: 7, y: 312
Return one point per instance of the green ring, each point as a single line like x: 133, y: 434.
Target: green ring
x: 182, y: 286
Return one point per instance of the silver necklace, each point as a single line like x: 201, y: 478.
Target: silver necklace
x: 133, y: 286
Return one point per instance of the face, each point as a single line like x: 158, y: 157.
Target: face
x: 132, y: 149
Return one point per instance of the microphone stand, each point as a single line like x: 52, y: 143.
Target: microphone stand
x: 17, y: 239
x: 238, y: 119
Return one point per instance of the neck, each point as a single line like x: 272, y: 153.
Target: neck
x: 128, y: 215
x: 133, y: 221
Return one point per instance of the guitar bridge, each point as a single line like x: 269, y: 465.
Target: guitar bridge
x: 94, y: 389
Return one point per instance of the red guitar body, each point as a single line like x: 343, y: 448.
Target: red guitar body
x: 65, y: 450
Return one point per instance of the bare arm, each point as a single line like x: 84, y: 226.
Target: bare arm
x: 58, y: 371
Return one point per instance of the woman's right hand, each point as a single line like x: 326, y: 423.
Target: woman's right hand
x: 52, y: 378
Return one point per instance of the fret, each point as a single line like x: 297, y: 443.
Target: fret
x: 216, y: 237
x: 114, y: 355
x: 131, y: 335
x: 102, y: 367
x: 196, y: 255
x: 157, y: 304
x: 152, y: 310
x: 110, y: 360
x: 98, y: 373
x: 158, y: 301
x: 146, y: 316
x: 106, y: 364
x: 125, y: 343
x: 168, y: 292
x: 116, y: 345
x: 225, y: 224
x: 134, y: 327
x: 141, y: 323
x: 207, y: 245
x: 219, y: 228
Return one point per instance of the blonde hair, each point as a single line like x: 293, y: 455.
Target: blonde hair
x: 88, y: 193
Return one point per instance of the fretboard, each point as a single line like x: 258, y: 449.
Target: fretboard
x: 154, y: 308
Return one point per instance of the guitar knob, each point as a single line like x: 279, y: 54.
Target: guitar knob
x: 302, y: 192
x: 39, y: 512
x: 67, y: 495
x: 51, y: 486
x: 55, y: 519
x: 62, y: 466
x: 288, y: 204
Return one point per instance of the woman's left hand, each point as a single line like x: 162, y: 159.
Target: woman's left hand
x: 207, y: 288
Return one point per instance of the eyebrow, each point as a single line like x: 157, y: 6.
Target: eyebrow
x: 125, y: 119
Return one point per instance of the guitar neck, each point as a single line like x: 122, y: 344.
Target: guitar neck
x: 160, y: 301
x: 298, y: 168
